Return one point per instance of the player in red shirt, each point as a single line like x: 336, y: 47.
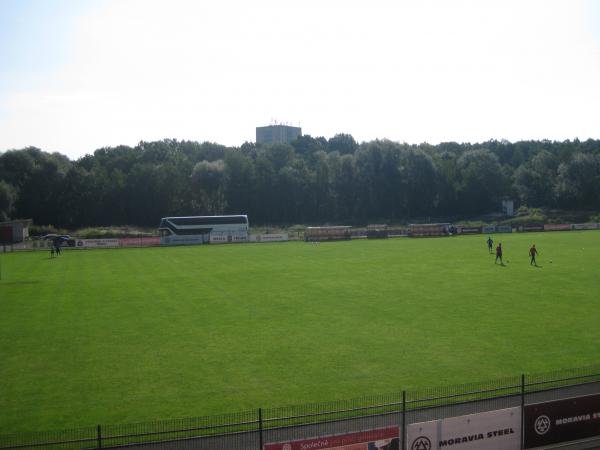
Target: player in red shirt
x: 499, y: 254
x: 533, y: 252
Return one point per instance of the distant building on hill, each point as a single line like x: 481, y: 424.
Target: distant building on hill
x: 273, y: 134
x: 508, y: 208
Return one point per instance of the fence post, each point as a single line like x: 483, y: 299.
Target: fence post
x: 260, y: 428
x: 404, y: 437
x: 522, y: 411
x: 99, y: 437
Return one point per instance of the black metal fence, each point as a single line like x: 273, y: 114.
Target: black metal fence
x: 251, y: 429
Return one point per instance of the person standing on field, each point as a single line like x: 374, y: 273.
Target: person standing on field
x: 499, y: 254
x: 532, y: 253
x: 490, y: 244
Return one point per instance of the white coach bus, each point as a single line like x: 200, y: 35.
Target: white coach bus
x: 203, y: 229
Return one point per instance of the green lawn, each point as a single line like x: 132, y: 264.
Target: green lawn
x: 120, y: 336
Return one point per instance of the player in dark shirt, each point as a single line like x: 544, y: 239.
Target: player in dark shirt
x: 490, y: 244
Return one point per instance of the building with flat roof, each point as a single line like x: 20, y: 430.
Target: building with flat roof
x: 14, y: 231
x: 277, y: 134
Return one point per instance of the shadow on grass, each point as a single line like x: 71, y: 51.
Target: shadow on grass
x: 11, y: 283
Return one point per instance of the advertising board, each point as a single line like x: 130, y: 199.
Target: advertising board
x: 504, y: 229
x: 584, y: 226
x: 6, y: 235
x: 557, y: 227
x: 398, y: 232
x: 269, y: 237
x: 491, y: 430
x: 41, y: 244
x: 97, y: 243
x: 378, y: 439
x: 139, y: 242
x: 468, y: 230
x: 5, y: 248
x: 486, y: 230
x: 184, y: 240
x: 562, y: 421
x: 220, y: 239
x: 228, y: 238
x: 532, y: 227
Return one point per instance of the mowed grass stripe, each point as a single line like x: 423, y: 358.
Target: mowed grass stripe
x: 129, y: 335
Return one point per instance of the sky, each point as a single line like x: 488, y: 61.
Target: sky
x: 78, y: 75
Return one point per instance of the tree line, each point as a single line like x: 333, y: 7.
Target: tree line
x: 311, y: 180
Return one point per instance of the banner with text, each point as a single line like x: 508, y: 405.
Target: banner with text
x: 492, y: 430
x: 562, y: 421
x: 190, y: 239
x: 268, y: 237
x: 468, y: 230
x: 379, y: 439
x: 97, y: 243
x: 584, y: 226
x: 228, y: 238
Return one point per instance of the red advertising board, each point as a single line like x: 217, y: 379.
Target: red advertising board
x: 557, y: 227
x: 6, y: 235
x: 139, y: 242
x: 379, y: 439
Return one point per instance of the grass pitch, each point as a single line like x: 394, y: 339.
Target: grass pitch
x: 120, y: 336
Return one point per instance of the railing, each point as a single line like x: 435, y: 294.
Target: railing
x: 250, y: 428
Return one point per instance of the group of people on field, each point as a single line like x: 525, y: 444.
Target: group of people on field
x: 533, y: 252
x: 54, y: 249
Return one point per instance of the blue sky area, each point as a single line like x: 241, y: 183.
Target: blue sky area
x: 36, y: 38
x: 78, y: 75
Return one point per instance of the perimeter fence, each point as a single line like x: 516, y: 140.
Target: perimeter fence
x: 255, y: 429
